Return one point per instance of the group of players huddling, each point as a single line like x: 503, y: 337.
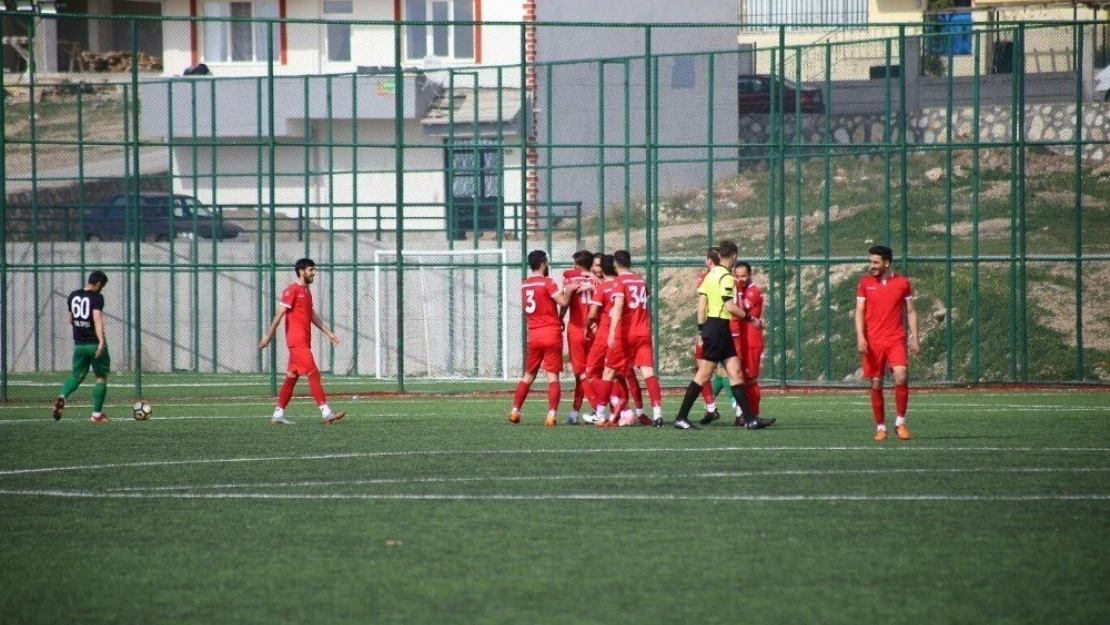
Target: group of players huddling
x: 608, y: 334
x: 609, y: 339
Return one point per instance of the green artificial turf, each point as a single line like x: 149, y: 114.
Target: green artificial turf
x: 435, y: 510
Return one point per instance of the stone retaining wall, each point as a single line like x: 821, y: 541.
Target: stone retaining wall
x: 1043, y: 123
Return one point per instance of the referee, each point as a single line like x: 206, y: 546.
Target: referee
x: 715, y: 308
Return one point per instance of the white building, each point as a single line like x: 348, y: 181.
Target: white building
x: 334, y: 89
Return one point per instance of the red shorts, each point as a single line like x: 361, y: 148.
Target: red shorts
x: 880, y: 357
x: 595, y: 360
x: 640, y: 351
x: 616, y: 358
x: 301, y: 361
x: 547, y: 351
x: 579, y: 347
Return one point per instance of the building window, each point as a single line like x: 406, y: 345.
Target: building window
x: 240, y: 41
x: 763, y: 14
x: 682, y: 73
x: 449, y: 35
x: 339, y: 34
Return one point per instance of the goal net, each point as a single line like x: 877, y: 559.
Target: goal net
x: 454, y: 312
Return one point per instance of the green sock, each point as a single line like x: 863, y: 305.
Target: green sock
x: 100, y: 391
x: 70, y: 385
x: 719, y: 384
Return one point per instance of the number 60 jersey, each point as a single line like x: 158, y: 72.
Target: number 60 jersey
x: 81, y: 304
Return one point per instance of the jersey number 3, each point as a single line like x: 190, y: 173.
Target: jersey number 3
x: 530, y: 306
x: 80, y: 308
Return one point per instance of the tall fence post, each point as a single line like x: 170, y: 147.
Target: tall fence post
x: 272, y: 157
x: 3, y: 245
x: 399, y: 180
x: 137, y: 295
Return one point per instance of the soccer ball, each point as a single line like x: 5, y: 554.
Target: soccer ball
x: 141, y: 410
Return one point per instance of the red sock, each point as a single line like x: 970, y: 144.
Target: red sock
x: 878, y: 409
x: 579, y: 393
x: 754, y: 394
x: 620, y: 389
x: 654, y: 392
x: 521, y: 394
x: 901, y: 399
x: 602, y: 390
x: 286, y: 392
x: 554, y: 392
x: 634, y: 391
x: 589, y: 391
x: 316, y: 388
x: 707, y: 393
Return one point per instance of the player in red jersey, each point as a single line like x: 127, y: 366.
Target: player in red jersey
x: 607, y: 355
x: 749, y: 334
x: 882, y: 299
x: 540, y: 299
x: 636, y: 331
x: 578, y: 338
x: 296, y: 307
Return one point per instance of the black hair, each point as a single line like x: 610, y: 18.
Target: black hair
x: 608, y: 266
x: 583, y: 259
x: 598, y: 255
x: 744, y: 265
x: 98, y: 277
x: 885, y: 252
x: 623, y: 258
x: 714, y: 255
x: 727, y: 248
x: 536, y: 259
x: 303, y: 264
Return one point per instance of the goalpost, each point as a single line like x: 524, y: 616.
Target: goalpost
x: 414, y: 260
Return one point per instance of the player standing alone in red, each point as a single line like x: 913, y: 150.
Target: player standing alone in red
x: 636, y: 329
x: 296, y: 308
x: 578, y: 339
x: 884, y: 303
x: 540, y: 299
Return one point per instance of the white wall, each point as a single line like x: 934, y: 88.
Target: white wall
x: 371, y: 45
x: 243, y: 169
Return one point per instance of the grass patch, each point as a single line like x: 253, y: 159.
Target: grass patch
x: 433, y: 510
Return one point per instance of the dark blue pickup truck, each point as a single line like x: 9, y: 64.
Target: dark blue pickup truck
x: 164, y: 216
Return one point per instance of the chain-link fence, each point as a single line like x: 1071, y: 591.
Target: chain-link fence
x: 419, y: 161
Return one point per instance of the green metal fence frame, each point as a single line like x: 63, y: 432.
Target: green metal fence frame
x: 786, y: 332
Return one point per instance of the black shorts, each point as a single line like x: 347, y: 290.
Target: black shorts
x: 716, y: 339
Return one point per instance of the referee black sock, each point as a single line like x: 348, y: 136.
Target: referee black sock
x: 741, y: 398
x: 692, y: 392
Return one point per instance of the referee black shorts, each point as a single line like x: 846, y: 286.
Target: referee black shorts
x: 716, y: 340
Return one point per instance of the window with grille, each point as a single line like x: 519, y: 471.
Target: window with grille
x: 338, y: 34
x: 240, y: 40
x: 762, y: 14
x: 447, y: 37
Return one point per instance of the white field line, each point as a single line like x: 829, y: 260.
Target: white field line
x: 595, y: 477
x: 512, y: 452
x: 260, y: 381
x: 261, y: 418
x: 80, y: 494
x: 924, y: 406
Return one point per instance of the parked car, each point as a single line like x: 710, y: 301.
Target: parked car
x: 163, y: 216
x: 754, y: 95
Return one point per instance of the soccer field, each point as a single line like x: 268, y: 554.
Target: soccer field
x: 434, y: 509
